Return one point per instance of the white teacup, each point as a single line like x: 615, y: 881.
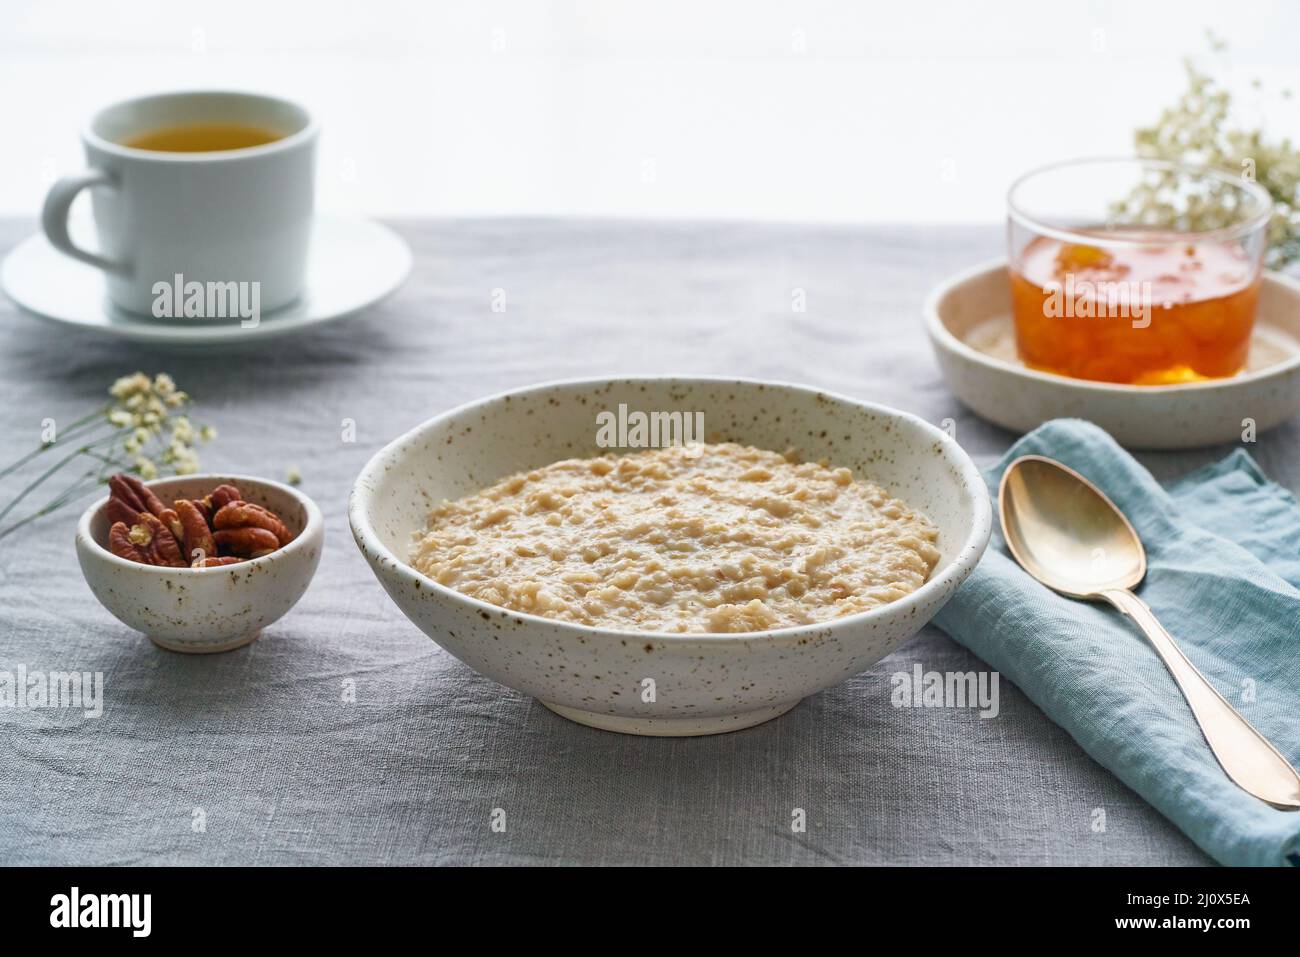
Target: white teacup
x: 169, y: 219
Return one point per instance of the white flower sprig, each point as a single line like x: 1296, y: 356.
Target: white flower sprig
x: 1200, y: 129
x: 143, y: 429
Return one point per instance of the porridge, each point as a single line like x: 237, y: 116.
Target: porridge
x: 694, y: 538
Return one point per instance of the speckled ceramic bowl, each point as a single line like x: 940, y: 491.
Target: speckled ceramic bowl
x: 968, y: 318
x: 204, y: 610
x: 702, y: 683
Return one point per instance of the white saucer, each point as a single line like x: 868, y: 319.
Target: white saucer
x: 353, y: 264
x: 968, y: 318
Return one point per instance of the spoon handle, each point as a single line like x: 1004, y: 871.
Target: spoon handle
x: 1245, y: 754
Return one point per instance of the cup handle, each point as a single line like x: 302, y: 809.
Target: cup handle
x: 54, y: 218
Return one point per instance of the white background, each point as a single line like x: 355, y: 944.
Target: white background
x: 811, y: 110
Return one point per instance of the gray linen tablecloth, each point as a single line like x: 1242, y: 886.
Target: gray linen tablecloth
x: 254, y: 757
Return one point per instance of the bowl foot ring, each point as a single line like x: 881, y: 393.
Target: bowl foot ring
x: 198, y: 648
x: 671, y: 727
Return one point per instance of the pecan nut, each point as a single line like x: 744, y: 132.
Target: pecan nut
x: 223, y: 495
x: 195, y: 534
x: 121, y: 545
x: 173, y: 523
x: 152, y: 529
x: 247, y: 542
x: 248, y: 515
x: 141, y: 494
x: 216, y: 561
x: 121, y: 511
x: 156, y: 541
x: 147, y: 541
x: 124, y: 492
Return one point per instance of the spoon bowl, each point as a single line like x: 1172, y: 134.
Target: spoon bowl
x: 1065, y: 532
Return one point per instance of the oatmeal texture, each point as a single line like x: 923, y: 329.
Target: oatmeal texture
x: 695, y: 538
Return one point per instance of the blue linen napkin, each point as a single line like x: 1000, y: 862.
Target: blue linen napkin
x: 1223, y: 549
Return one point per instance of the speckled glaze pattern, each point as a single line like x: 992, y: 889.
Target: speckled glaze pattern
x: 205, y: 610
x: 702, y: 684
x: 1139, y: 417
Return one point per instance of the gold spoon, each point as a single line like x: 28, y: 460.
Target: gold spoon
x: 1066, y: 533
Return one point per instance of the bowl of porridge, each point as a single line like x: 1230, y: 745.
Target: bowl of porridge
x: 670, y: 556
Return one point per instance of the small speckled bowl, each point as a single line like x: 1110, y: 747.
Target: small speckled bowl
x: 702, y: 684
x: 205, y: 610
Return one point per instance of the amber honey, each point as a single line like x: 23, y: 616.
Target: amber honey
x: 1168, y: 312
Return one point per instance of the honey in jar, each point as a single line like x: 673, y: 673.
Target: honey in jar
x: 1152, y: 310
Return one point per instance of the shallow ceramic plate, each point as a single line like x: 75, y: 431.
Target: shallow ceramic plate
x: 353, y: 263
x: 705, y: 683
x: 969, y: 322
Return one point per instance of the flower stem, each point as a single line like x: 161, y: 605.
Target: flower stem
x: 51, y: 470
x: 78, y: 427
x: 74, y: 491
